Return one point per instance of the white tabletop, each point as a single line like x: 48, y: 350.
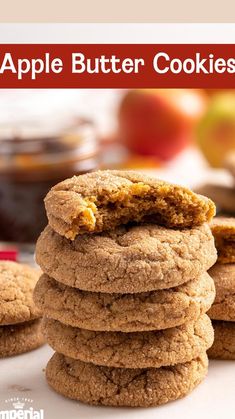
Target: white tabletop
x: 22, y: 376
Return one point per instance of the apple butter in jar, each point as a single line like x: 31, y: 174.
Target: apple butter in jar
x: 31, y: 162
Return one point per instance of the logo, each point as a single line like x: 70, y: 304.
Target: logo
x: 20, y: 408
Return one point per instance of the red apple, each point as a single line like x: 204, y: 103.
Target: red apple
x: 159, y: 122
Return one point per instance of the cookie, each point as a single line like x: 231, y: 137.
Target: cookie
x: 129, y: 259
x: 16, y: 287
x: 107, y: 386
x: 224, y: 343
x: 223, y: 230
x: 101, y: 201
x: 223, y: 307
x: 131, y: 350
x: 19, y: 338
x: 128, y: 312
x: 223, y: 196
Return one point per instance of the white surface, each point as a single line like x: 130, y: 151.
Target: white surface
x: 22, y: 376
x: 122, y: 33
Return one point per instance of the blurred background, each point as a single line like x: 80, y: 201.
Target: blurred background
x: 185, y: 136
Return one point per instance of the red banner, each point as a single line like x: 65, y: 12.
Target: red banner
x: 117, y: 66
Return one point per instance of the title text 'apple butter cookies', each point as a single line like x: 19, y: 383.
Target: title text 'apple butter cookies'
x: 222, y: 311
x: 125, y: 288
x: 20, y: 324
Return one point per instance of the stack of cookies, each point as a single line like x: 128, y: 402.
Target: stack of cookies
x: 125, y: 288
x: 223, y: 272
x: 20, y: 324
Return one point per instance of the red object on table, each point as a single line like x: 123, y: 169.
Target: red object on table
x: 9, y: 254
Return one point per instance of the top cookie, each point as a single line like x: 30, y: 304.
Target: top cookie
x: 103, y: 200
x: 16, y: 287
x: 223, y: 229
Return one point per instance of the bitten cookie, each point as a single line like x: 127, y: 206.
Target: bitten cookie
x: 223, y: 307
x: 103, y: 200
x: 224, y: 343
x: 223, y: 230
x: 16, y: 287
x: 18, y: 338
x: 98, y: 385
x: 125, y: 312
x: 131, y: 350
x: 129, y: 259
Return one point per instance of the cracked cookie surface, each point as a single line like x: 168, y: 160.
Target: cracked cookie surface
x: 129, y: 259
x: 19, y: 338
x: 16, y: 293
x: 107, y: 386
x: 103, y: 200
x: 125, y: 312
x: 223, y: 230
x: 224, y: 343
x: 131, y: 350
x: 223, y: 307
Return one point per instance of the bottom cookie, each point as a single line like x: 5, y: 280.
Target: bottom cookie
x: 224, y: 343
x: 19, y: 338
x: 107, y: 386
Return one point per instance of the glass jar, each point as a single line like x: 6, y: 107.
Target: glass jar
x: 31, y: 162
